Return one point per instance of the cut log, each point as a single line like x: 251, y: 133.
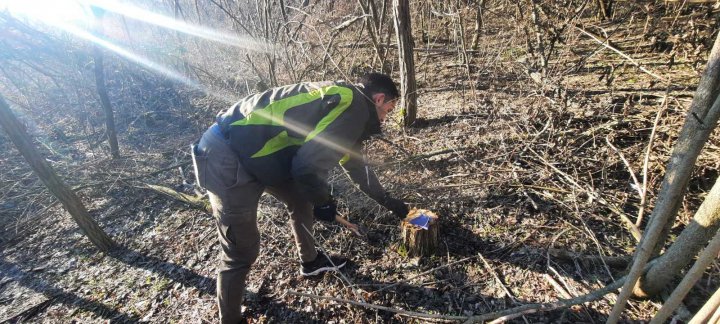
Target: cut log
x: 201, y: 203
x: 418, y: 241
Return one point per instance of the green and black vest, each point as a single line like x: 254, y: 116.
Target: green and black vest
x: 299, y: 132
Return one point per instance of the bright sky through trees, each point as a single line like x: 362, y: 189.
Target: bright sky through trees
x: 76, y: 18
x: 49, y: 11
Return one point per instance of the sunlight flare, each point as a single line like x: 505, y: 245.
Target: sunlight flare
x: 50, y: 12
x: 81, y: 33
x: 170, y: 23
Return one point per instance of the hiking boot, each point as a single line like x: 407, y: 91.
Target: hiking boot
x: 322, y: 263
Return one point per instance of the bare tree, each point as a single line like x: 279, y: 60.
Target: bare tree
x: 479, y: 26
x: 605, y: 8
x: 699, y: 122
x: 702, y: 228
x: 45, y: 172
x: 102, y: 90
x: 707, y: 256
x: 403, y: 31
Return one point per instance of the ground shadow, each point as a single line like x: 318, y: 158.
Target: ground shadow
x: 56, y: 294
x: 276, y: 311
x: 174, y: 272
x: 449, y: 292
x: 421, y: 123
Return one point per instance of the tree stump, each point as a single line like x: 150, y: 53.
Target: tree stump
x: 418, y: 241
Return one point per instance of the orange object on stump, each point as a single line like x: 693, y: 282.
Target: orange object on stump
x: 420, y: 233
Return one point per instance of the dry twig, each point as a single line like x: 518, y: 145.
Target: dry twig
x: 630, y: 59
x: 506, y: 314
x: 630, y: 224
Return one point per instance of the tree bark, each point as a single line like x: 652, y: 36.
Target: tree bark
x: 707, y: 256
x: 699, y: 122
x: 478, y: 25
x: 702, y: 228
x: 45, y: 172
x: 373, y: 32
x: 102, y: 90
x: 403, y: 32
x: 706, y: 312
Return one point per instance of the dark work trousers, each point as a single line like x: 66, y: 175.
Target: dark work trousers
x: 234, y: 196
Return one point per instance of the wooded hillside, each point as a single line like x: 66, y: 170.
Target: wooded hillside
x: 568, y: 147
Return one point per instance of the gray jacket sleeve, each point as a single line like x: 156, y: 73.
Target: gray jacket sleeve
x: 314, y: 159
x: 362, y: 175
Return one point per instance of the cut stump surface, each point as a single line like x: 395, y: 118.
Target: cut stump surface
x: 417, y: 241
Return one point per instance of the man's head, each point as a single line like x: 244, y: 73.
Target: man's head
x: 381, y: 89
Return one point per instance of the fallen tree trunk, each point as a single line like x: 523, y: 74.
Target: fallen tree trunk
x: 612, y: 261
x: 196, y: 202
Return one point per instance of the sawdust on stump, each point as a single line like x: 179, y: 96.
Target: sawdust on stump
x: 417, y: 241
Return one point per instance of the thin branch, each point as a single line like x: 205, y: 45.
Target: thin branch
x: 592, y: 193
x: 646, y: 162
x: 426, y: 272
x: 505, y: 288
x: 492, y: 271
x: 630, y: 59
x: 181, y: 164
x: 507, y: 314
x: 427, y: 155
x: 627, y: 165
x: 387, y: 309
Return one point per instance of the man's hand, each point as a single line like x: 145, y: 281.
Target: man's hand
x: 326, y: 212
x: 397, y: 206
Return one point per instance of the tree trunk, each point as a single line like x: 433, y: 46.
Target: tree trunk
x: 403, y: 31
x: 373, y: 32
x: 44, y: 171
x: 478, y: 25
x: 702, y: 228
x: 604, y: 9
x: 699, y: 122
x: 102, y: 90
x: 707, y: 256
x: 539, y: 39
x: 707, y: 311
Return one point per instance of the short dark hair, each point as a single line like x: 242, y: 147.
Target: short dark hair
x: 379, y: 83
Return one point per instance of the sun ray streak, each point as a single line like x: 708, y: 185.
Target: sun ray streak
x: 244, y: 42
x: 129, y: 55
x: 183, y: 27
x: 290, y: 125
x: 144, y: 61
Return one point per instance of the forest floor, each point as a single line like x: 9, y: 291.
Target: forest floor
x: 526, y: 171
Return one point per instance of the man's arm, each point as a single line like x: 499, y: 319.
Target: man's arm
x: 362, y: 175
